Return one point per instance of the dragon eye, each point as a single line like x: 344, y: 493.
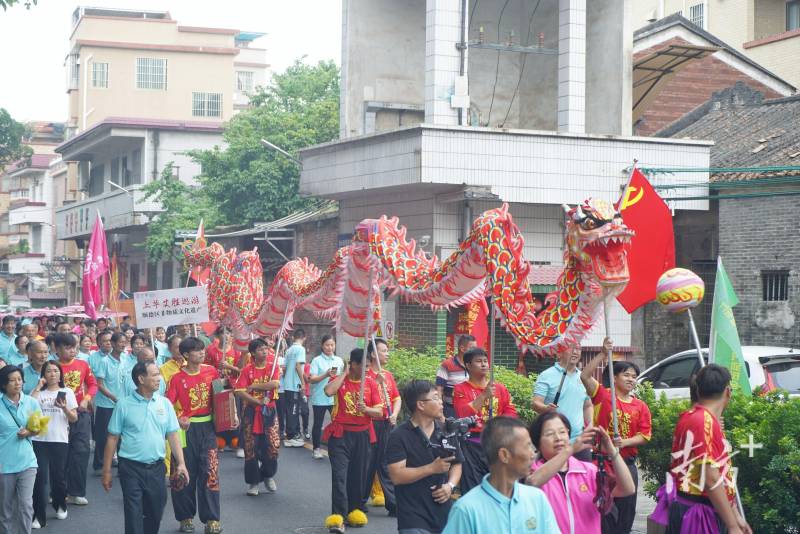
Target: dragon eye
x: 589, y: 224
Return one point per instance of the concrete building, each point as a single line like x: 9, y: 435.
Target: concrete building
x: 143, y: 91
x: 449, y: 108
x: 766, y: 31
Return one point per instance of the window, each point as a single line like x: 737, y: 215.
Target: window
x: 134, y: 277
x: 151, y: 73
x: 207, y: 104
x: 36, y: 238
x: 774, y: 285
x: 793, y: 15
x: 244, y: 81
x: 697, y: 15
x: 676, y: 374
x: 152, y: 276
x: 73, y: 71
x: 166, y: 275
x: 99, y: 74
x: 136, y: 167
x: 97, y: 178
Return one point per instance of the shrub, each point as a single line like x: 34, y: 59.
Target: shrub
x: 769, y: 482
x: 409, y: 364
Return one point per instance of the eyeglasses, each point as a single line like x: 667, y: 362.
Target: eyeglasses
x: 435, y: 398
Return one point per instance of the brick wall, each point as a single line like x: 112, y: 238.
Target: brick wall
x: 696, y: 244
x: 761, y: 234
x: 689, y: 88
x: 420, y: 327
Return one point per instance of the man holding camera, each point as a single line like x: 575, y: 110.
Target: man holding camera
x: 424, y: 463
x: 482, y: 399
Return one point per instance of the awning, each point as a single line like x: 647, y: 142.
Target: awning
x: 652, y: 72
x: 543, y: 278
x: 292, y: 219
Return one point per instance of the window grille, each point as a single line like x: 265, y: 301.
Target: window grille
x: 207, y: 104
x: 775, y: 285
x: 99, y: 74
x: 697, y: 15
x: 244, y: 81
x: 151, y: 73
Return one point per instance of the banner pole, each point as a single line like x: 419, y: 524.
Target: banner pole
x: 610, y: 365
x: 695, y: 337
x: 367, y: 332
x: 491, y: 357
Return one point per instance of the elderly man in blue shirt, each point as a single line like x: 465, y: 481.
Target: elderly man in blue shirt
x: 143, y: 420
x: 7, y: 335
x: 560, y: 388
x: 500, y: 503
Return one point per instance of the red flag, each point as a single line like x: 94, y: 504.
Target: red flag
x: 94, y: 268
x: 200, y: 274
x: 652, y: 249
x: 480, y: 328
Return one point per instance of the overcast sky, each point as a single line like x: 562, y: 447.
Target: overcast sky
x: 33, y: 42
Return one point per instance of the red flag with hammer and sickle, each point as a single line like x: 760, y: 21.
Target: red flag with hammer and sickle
x: 652, y: 249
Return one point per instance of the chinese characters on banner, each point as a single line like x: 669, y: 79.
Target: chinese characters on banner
x: 184, y: 305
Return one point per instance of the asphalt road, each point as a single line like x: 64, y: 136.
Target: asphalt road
x: 301, y: 504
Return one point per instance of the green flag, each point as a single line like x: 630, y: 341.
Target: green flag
x: 725, y: 347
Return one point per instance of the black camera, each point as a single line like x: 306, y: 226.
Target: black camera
x: 459, y: 427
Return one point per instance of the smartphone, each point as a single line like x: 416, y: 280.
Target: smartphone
x: 335, y: 370
x: 61, y: 396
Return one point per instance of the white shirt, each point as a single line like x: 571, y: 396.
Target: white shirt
x: 58, y: 427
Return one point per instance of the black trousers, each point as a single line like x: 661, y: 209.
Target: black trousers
x: 280, y: 405
x: 293, y: 401
x: 304, y: 414
x: 626, y: 507
x: 52, y: 460
x: 474, y: 466
x: 319, y: 420
x: 201, y: 494
x: 101, y: 418
x: 78, y: 455
x: 260, y: 450
x: 144, y: 495
x: 349, y: 456
x: 377, y: 464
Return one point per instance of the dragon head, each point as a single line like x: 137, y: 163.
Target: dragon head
x: 597, y: 239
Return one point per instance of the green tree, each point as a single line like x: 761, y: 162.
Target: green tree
x: 249, y: 182
x: 11, y: 135
x: 183, y: 208
x: 5, y: 4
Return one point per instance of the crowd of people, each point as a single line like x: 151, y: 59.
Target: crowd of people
x: 446, y: 456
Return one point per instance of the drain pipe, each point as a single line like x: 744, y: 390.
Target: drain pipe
x: 155, y: 154
x: 462, y: 46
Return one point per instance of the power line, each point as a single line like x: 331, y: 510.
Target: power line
x: 497, y: 67
x: 524, y: 61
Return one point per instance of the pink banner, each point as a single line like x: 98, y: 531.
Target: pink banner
x: 95, y: 266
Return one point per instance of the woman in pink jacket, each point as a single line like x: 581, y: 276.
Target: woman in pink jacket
x: 571, y: 484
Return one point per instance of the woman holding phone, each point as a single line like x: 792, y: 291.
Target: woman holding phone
x: 59, y: 403
x: 324, y: 367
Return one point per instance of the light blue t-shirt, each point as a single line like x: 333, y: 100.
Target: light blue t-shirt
x: 84, y: 356
x: 30, y: 377
x: 484, y: 509
x: 296, y: 354
x: 573, y: 395
x: 6, y: 344
x: 143, y: 425
x: 163, y: 352
x: 111, y: 371
x: 15, y: 357
x: 96, y: 359
x: 16, y: 455
x: 319, y: 365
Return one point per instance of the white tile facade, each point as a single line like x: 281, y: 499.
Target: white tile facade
x: 521, y: 166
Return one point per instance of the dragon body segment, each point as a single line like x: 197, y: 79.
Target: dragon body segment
x: 489, y: 263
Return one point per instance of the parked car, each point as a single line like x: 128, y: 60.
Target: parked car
x: 768, y: 367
